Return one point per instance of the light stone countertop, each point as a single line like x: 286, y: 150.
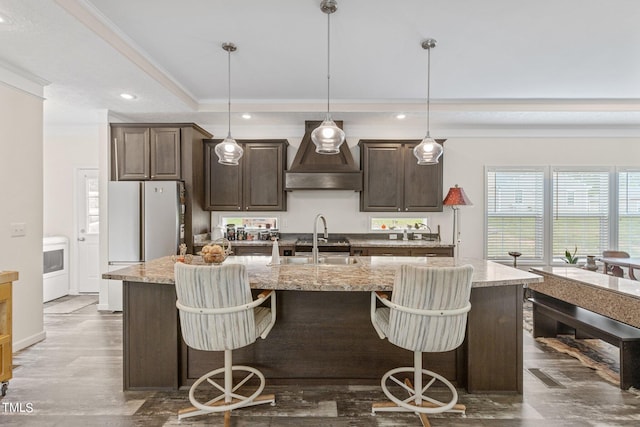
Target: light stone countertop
x: 353, y: 242
x: 602, y: 281
x: 369, y: 274
x: 614, y: 297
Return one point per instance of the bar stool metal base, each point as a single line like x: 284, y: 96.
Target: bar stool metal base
x: 229, y: 397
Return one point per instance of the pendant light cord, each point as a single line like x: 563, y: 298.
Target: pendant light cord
x: 328, y: 61
x: 428, y: 90
x: 229, y: 93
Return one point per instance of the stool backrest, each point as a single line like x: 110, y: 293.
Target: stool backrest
x: 430, y: 288
x: 201, y: 286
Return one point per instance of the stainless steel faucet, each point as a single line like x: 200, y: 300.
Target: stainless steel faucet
x: 314, y: 250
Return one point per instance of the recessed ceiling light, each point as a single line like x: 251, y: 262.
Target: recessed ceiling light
x: 127, y: 96
x: 1, y: 19
x: 246, y: 116
x: 401, y: 116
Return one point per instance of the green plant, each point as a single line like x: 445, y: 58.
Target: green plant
x: 571, y: 258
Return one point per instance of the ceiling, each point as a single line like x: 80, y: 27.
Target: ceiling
x: 498, y: 63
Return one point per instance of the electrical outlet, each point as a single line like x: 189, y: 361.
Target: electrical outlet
x: 18, y: 229
x: 417, y: 236
x: 393, y: 237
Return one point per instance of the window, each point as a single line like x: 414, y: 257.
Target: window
x: 515, y: 213
x: 629, y: 212
x: 92, y: 208
x: 543, y: 212
x: 580, y: 212
x: 386, y: 224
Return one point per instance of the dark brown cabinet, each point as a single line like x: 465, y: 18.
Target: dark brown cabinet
x: 256, y: 184
x: 146, y: 153
x: 441, y: 251
x: 394, y: 182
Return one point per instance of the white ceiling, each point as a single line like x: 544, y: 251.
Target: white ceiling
x: 498, y: 63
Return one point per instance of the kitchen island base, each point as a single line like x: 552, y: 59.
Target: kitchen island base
x: 322, y: 337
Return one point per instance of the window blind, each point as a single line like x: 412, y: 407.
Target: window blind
x: 629, y: 212
x: 580, y: 212
x: 515, y: 213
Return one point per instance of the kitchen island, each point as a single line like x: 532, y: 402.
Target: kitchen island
x: 323, y: 333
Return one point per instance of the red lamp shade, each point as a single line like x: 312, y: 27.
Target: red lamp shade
x: 456, y: 197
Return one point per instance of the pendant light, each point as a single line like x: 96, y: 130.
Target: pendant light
x: 428, y: 151
x: 328, y: 136
x: 228, y: 151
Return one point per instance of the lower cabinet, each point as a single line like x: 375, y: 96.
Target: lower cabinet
x: 395, y: 251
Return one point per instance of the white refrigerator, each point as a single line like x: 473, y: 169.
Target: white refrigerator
x: 145, y: 221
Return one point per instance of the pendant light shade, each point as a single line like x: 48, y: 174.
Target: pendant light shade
x: 428, y: 152
x: 328, y: 136
x: 228, y: 151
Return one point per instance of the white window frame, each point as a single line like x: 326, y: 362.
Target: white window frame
x: 550, y: 208
x: 613, y: 207
x: 506, y: 257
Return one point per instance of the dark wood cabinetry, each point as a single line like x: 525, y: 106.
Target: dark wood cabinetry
x: 395, y: 251
x: 394, y: 182
x: 146, y: 153
x: 164, y: 151
x: 256, y: 184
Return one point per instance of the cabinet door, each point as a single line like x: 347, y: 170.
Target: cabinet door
x: 263, y: 183
x: 165, y: 153
x: 422, y: 184
x: 432, y: 252
x: 390, y: 251
x: 223, y: 183
x: 383, y: 177
x: 130, y: 155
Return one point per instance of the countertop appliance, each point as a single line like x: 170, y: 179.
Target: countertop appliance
x: 55, y: 267
x: 146, y: 221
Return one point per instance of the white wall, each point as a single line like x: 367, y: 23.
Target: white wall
x: 67, y: 148
x: 21, y: 201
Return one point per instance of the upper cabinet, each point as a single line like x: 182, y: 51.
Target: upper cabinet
x: 394, y: 182
x: 145, y: 153
x: 256, y: 184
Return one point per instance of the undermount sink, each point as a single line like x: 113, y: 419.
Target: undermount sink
x: 326, y: 260
x: 338, y: 260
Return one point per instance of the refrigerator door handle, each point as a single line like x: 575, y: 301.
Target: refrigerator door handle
x: 143, y: 213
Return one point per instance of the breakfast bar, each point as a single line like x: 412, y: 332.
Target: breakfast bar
x: 323, y: 332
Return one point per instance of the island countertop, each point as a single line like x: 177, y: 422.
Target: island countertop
x: 368, y: 274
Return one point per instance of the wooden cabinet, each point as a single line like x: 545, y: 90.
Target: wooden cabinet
x: 396, y: 251
x: 256, y: 184
x: 6, y: 279
x: 394, y: 182
x: 146, y: 153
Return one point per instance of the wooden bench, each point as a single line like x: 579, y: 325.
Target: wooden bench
x: 552, y: 316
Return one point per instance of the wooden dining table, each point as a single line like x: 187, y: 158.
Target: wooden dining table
x: 630, y: 263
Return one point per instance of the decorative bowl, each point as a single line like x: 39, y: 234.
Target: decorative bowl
x: 216, y: 252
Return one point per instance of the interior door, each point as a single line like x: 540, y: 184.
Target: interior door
x: 87, y: 231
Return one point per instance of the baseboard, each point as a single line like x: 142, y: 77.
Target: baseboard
x: 103, y: 307
x: 19, y: 345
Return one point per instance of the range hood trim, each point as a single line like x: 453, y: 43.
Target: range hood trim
x: 314, y: 171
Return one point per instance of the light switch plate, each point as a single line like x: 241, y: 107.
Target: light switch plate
x: 393, y: 237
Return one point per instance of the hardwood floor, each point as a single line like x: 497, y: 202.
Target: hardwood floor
x: 74, y: 378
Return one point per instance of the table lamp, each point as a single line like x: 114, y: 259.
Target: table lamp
x: 456, y: 197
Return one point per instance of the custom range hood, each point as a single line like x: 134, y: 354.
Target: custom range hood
x: 313, y: 171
